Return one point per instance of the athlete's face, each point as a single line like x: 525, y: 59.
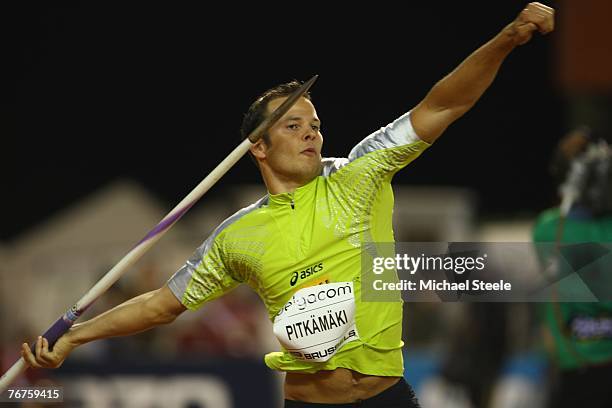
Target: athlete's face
x: 294, y: 151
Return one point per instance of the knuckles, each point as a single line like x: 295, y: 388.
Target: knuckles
x: 538, y: 14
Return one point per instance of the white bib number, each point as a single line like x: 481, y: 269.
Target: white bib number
x: 317, y: 321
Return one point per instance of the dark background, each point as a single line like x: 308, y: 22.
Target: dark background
x: 157, y: 92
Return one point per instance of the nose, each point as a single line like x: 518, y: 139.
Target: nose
x: 309, y: 134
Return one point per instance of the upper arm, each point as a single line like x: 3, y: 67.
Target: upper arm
x: 217, y: 266
x: 380, y: 154
x: 430, y: 122
x: 396, y: 134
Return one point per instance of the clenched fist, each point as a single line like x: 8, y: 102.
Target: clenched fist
x: 536, y: 16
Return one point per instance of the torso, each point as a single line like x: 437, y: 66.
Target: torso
x: 314, y: 236
x: 338, y: 386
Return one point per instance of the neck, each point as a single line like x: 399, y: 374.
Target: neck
x: 278, y: 184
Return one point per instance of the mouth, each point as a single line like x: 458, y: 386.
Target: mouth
x: 309, y: 152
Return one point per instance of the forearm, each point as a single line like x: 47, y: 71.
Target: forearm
x: 140, y: 313
x: 459, y: 90
x: 133, y: 316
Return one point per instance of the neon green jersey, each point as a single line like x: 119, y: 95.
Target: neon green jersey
x: 291, y: 241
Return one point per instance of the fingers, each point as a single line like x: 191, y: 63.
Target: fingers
x: 540, y: 15
x: 45, y: 357
x: 45, y: 352
x: 28, y: 356
x: 38, y: 348
x: 42, y: 357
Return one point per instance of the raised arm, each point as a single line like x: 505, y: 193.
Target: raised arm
x: 135, y: 315
x: 456, y: 93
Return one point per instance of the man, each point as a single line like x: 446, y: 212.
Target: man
x: 302, y: 242
x: 579, y: 334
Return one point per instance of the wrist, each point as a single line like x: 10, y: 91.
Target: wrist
x: 72, y: 336
x: 509, y: 37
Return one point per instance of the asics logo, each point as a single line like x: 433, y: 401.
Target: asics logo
x: 311, y: 270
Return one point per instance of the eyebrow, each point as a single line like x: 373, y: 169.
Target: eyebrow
x: 300, y: 118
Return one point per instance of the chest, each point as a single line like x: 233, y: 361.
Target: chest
x: 307, y: 242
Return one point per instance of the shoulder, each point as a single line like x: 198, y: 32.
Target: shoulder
x: 545, y: 225
x: 332, y: 164
x: 239, y: 217
x: 398, y: 133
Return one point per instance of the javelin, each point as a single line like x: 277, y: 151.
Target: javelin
x: 66, y: 321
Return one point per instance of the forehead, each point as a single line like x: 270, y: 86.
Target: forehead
x: 302, y: 108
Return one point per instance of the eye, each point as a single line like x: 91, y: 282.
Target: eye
x: 293, y: 126
x: 316, y: 128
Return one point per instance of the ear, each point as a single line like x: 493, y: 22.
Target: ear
x: 259, y: 149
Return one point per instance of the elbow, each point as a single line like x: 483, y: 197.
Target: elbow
x: 452, y: 110
x: 448, y: 102
x: 160, y: 315
x: 166, y: 318
x: 160, y: 310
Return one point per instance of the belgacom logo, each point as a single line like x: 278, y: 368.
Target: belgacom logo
x: 311, y: 270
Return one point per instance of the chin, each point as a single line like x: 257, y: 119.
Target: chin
x: 310, y: 173
x: 315, y: 169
